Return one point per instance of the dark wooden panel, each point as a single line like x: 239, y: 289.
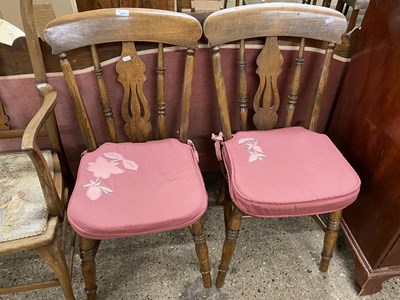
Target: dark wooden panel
x: 366, y: 128
x: 393, y: 257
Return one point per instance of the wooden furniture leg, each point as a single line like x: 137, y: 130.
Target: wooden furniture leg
x: 197, y: 230
x: 53, y: 254
x: 222, y: 190
x: 330, y: 239
x: 228, y: 207
x: 370, y: 280
x: 229, y: 245
x: 88, y: 249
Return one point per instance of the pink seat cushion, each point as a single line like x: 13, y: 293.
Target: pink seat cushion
x: 137, y: 188
x: 288, y: 172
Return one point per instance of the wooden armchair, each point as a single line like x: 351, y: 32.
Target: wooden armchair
x: 125, y: 185
x: 278, y: 172
x: 356, y: 5
x: 34, y: 193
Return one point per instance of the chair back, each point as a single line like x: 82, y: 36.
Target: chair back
x: 128, y: 26
x: 44, y: 123
x: 296, y: 22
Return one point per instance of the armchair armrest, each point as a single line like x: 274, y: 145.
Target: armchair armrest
x: 29, y: 145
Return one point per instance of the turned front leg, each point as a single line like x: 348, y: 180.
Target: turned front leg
x: 197, y: 230
x: 232, y: 233
x: 88, y: 249
x: 330, y: 239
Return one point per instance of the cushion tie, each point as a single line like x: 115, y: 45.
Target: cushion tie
x: 196, y: 154
x: 219, y: 140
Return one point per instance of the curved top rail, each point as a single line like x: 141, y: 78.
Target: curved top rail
x: 122, y: 24
x: 274, y: 19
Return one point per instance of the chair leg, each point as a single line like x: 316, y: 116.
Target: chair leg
x: 54, y: 255
x: 330, y: 239
x: 232, y: 233
x: 222, y: 191
x: 88, y: 249
x: 228, y: 207
x: 197, y: 230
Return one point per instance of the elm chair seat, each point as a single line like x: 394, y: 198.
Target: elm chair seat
x: 288, y: 172
x: 114, y: 180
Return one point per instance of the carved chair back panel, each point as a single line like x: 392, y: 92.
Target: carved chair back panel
x: 128, y: 26
x: 272, y: 21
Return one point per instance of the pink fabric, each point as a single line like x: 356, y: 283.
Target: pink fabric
x: 131, y: 189
x: 17, y: 92
x: 288, y: 172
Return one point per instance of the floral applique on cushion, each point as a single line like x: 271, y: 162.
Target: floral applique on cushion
x: 254, y: 150
x: 103, y: 168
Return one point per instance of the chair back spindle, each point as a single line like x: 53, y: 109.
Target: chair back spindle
x: 221, y: 93
x: 161, y: 92
x: 186, y: 95
x: 105, y: 100
x: 80, y: 108
x: 243, y: 100
x: 294, y: 89
x: 321, y: 88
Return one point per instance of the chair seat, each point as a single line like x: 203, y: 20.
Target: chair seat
x: 131, y: 189
x: 23, y: 211
x: 288, y: 172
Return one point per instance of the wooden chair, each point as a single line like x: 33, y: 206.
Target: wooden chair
x: 205, y: 5
x: 284, y: 172
x: 237, y: 3
x: 34, y: 194
x: 325, y: 3
x: 356, y: 5
x: 138, y: 187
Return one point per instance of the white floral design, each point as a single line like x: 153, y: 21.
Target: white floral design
x: 103, y: 168
x: 95, y: 189
x: 254, y: 150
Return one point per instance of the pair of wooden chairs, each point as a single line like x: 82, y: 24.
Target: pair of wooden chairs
x: 141, y: 187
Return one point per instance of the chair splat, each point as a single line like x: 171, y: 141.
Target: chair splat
x: 266, y: 100
x: 135, y: 107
